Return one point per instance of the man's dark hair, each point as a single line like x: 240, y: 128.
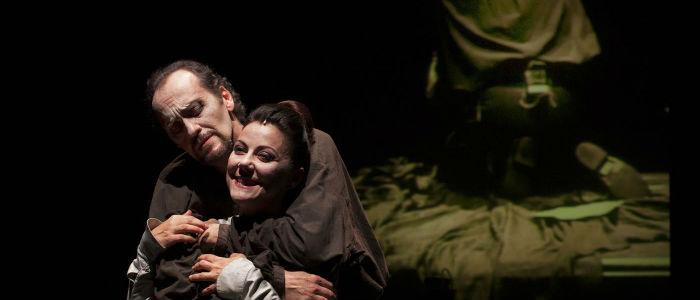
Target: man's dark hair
x: 209, y: 79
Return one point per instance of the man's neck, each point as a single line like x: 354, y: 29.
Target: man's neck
x: 237, y: 128
x: 221, y: 166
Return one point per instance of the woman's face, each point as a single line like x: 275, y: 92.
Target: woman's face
x: 260, y: 169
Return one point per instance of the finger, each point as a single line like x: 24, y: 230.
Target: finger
x: 236, y: 256
x: 323, y: 282
x: 183, y: 238
x: 207, y: 257
x: 188, y: 213
x: 194, y: 221
x: 209, y: 290
x: 187, y: 228
x: 202, y: 266
x: 204, y: 276
x: 203, y: 237
x: 323, y: 292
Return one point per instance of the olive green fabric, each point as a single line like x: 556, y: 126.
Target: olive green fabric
x: 582, y: 211
x: 477, y: 36
x: 426, y: 228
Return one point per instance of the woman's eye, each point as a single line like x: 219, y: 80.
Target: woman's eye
x: 265, y: 157
x: 239, y: 149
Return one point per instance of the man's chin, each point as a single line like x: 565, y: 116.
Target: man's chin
x: 214, y: 159
x: 209, y: 155
x: 215, y: 156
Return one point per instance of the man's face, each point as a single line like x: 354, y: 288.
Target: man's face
x: 196, y: 120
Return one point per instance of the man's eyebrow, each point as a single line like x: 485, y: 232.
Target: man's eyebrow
x: 174, y: 112
x: 171, y: 115
x: 197, y: 101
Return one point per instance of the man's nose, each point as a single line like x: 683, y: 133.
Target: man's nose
x: 191, y: 127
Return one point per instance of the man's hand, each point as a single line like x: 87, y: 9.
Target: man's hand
x: 302, y: 285
x: 209, y: 267
x: 178, y: 229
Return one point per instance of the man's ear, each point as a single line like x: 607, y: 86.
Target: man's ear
x: 228, y: 98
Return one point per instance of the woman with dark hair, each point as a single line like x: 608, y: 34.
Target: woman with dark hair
x: 264, y: 175
x: 268, y: 166
x: 268, y: 160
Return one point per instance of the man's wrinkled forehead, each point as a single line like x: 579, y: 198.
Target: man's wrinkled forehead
x: 167, y: 109
x: 167, y: 114
x: 177, y: 91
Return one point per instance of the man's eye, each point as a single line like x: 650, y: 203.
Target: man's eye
x: 193, y: 110
x: 175, y: 127
x: 197, y: 109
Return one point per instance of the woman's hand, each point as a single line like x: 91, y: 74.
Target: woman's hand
x: 209, y: 267
x: 178, y: 229
x: 211, y: 235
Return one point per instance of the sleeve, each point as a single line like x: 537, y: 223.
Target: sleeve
x: 325, y: 229
x: 240, y: 279
x: 262, y: 258
x: 140, y: 271
x: 171, y: 194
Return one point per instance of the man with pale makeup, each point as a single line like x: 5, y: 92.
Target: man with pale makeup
x: 202, y: 115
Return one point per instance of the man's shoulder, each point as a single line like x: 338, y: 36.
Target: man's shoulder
x: 173, y: 192
x: 322, y: 139
x: 324, y: 152
x: 180, y: 165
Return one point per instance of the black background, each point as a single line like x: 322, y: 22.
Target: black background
x: 359, y: 67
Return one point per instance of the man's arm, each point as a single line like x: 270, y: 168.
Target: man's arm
x: 168, y: 199
x: 157, y: 237
x: 325, y: 226
x: 295, y: 285
x: 234, y: 277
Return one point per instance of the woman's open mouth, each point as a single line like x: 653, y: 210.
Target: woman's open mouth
x: 245, y: 183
